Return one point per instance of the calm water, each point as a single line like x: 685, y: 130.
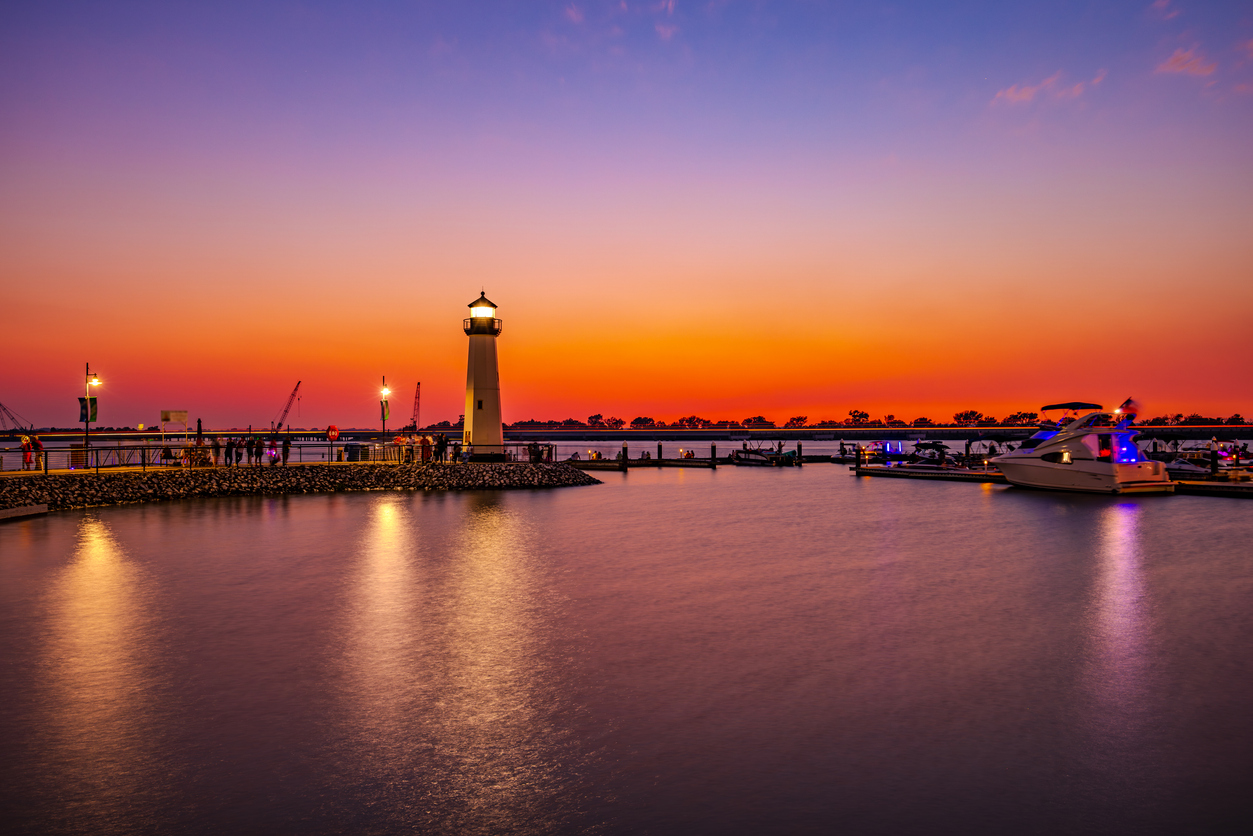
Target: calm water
x: 675, y: 651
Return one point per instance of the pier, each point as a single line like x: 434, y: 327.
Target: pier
x: 936, y: 475
x: 631, y: 464
x: 1231, y: 490
x: 22, y: 512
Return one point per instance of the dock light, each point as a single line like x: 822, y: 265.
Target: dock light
x: 87, y: 406
x: 384, y: 410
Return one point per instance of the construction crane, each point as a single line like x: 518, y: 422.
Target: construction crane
x: 19, y: 423
x: 291, y: 399
x: 417, y: 404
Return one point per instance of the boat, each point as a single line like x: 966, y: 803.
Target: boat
x: 929, y: 455
x: 1093, y: 452
x: 762, y: 457
x: 1183, y: 468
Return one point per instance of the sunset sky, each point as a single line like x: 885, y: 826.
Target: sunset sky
x: 720, y: 208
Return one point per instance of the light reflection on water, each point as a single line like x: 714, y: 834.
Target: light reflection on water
x: 1120, y: 634
x: 97, y: 674
x: 730, y: 651
x: 442, y: 671
x: 384, y: 630
x: 1119, y: 720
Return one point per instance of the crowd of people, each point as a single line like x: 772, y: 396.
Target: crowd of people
x: 32, y: 453
x: 233, y: 450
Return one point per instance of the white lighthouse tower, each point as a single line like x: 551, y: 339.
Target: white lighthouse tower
x: 483, y: 429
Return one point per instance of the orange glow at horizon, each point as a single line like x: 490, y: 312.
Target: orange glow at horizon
x: 667, y: 234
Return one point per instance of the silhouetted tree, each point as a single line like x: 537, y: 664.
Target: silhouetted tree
x: 596, y: 420
x: 796, y: 421
x: 1023, y: 418
x: 857, y: 416
x: 923, y: 422
x: 1236, y: 419
x: 641, y: 422
x: 615, y: 423
x: 967, y: 416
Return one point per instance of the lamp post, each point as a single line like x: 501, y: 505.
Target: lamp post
x: 90, y: 381
x: 383, y: 406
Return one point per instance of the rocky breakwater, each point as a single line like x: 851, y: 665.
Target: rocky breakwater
x: 83, y: 490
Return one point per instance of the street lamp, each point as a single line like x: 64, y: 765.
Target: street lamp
x: 383, y: 406
x: 88, y: 410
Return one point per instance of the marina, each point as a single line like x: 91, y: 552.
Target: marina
x: 471, y: 662
x: 732, y: 511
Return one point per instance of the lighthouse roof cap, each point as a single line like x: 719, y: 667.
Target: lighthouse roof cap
x: 482, y: 302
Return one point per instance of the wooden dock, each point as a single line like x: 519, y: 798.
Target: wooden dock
x: 937, y: 475
x: 1238, y: 490
x: 23, y: 512
x: 631, y: 464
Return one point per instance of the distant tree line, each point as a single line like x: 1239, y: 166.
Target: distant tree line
x: 856, y: 418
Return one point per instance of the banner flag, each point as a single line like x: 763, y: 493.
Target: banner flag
x: 87, y: 410
x: 383, y: 408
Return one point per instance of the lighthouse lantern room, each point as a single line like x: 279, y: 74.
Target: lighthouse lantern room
x: 483, y: 432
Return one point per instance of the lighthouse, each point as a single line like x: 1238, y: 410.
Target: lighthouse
x: 483, y: 429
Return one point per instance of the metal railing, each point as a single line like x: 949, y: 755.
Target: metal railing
x: 181, y: 455
x: 484, y: 325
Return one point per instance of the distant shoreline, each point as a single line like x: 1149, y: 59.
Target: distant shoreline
x: 861, y: 432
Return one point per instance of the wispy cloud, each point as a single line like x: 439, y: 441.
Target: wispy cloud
x: 666, y: 31
x: 1019, y: 93
x: 1050, y: 87
x: 666, y: 6
x: 1162, y: 7
x: 574, y: 13
x: 1074, y: 91
x: 1188, y: 61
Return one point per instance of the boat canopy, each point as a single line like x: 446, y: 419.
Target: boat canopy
x: 1071, y: 405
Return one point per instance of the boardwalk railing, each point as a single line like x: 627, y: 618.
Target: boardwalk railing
x: 156, y: 456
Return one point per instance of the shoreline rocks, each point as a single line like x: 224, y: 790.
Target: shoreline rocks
x: 83, y: 490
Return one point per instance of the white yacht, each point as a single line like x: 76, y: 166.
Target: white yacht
x: 1092, y: 452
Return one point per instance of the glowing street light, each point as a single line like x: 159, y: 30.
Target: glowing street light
x: 383, y: 406
x: 87, y: 407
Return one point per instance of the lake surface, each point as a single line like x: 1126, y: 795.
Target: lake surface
x: 675, y: 651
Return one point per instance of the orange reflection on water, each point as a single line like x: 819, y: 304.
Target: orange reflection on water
x: 441, y: 667
x: 490, y: 715
x: 98, y: 720
x: 385, y: 632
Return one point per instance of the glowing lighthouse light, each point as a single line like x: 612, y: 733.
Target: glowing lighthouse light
x: 483, y: 433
